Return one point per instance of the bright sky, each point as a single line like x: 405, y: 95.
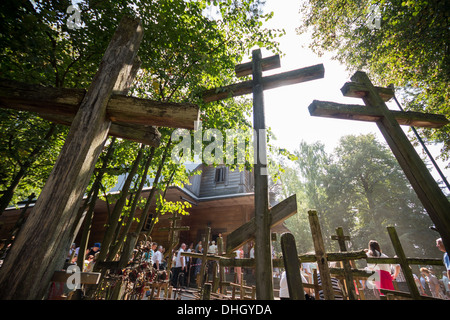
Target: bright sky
x: 286, y: 108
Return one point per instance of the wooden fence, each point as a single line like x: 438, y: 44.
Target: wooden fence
x: 347, y: 273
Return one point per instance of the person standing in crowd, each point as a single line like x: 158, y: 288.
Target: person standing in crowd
x: 180, y: 266
x: 445, y: 258
x: 88, y: 265
x: 445, y: 283
x: 419, y: 284
x: 238, y: 270
x: 425, y: 286
x: 284, y: 289
x: 433, y: 282
x: 383, y: 271
x: 153, y: 248
x: 198, y: 262
x: 94, y: 250
x: 157, y: 259
x: 73, y: 251
x: 212, y: 249
x: 146, y: 255
x: 336, y: 285
x: 399, y: 278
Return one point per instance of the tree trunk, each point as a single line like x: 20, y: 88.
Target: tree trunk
x: 113, y: 224
x: 137, y: 196
x: 89, y: 215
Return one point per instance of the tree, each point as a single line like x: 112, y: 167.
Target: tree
x: 28, y: 149
x: 361, y: 188
x: 183, y: 52
x: 378, y: 194
x: 410, y: 48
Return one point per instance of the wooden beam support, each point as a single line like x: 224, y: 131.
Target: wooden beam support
x: 351, y: 290
x: 263, y: 248
x: 328, y: 109
x: 356, y: 90
x: 246, y: 232
x: 85, y: 277
x: 321, y: 255
x: 423, y: 183
x: 404, y: 263
x: 269, y: 82
x: 41, y: 247
x: 120, y: 108
x: 269, y: 63
x: 292, y: 266
x: 148, y: 135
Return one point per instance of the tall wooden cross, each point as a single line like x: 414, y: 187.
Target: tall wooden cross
x: 259, y: 226
x: 41, y: 246
x: 375, y: 109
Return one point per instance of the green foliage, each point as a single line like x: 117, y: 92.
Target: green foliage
x: 22, y: 135
x: 361, y: 188
x: 188, y: 46
x: 409, y: 50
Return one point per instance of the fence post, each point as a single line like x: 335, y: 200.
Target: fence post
x: 321, y: 257
x: 206, y: 291
x: 404, y: 263
x: 346, y: 264
x: 292, y: 266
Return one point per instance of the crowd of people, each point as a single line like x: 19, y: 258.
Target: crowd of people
x: 90, y: 256
x: 386, y: 276
x: 185, y: 270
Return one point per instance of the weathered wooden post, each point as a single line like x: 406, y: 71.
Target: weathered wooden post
x: 321, y: 256
x: 201, y: 275
x: 404, y: 263
x: 223, y: 288
x: 292, y: 266
x: 388, y: 122
x: 263, y: 218
x: 206, y: 293
x: 263, y: 244
x: 346, y: 264
x: 46, y: 234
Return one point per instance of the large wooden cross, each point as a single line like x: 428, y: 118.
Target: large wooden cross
x: 41, y: 246
x: 375, y: 109
x: 265, y: 217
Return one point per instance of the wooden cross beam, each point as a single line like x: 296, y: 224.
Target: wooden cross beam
x: 346, y: 264
x: 321, y: 255
x: 362, y: 113
x: 423, y: 183
x: 246, y: 232
x: 47, y: 234
x: 269, y: 82
x: 132, y: 118
x: 261, y: 224
x: 404, y: 263
x: 174, y: 230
